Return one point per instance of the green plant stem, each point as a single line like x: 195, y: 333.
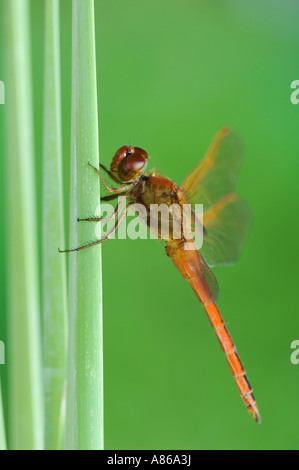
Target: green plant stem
x: 84, y: 428
x: 24, y: 353
x: 2, y: 427
x: 53, y: 264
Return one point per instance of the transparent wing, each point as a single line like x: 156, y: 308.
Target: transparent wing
x: 226, y: 225
x: 217, y: 173
x: 210, y: 279
x: 212, y: 184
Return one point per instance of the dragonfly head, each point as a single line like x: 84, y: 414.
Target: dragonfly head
x: 128, y: 163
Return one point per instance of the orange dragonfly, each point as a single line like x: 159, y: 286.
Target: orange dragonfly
x: 225, y: 221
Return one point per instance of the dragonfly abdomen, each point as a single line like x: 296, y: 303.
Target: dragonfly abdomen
x: 192, y: 266
x: 233, y: 359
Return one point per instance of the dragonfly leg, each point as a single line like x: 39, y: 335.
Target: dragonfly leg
x: 109, y: 234
x: 111, y: 217
x: 110, y: 197
x: 104, y: 168
x: 109, y: 189
x: 108, y: 172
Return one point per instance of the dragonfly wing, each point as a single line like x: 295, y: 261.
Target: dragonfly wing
x: 226, y: 226
x: 210, y: 278
x: 212, y: 183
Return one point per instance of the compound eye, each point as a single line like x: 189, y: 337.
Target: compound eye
x: 119, y: 156
x: 131, y: 167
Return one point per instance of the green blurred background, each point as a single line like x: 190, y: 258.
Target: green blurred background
x: 170, y: 74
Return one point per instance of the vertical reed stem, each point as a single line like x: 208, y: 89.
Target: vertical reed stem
x: 24, y: 353
x: 53, y: 264
x: 85, y: 353
x: 2, y: 427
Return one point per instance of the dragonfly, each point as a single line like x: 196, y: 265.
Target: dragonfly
x: 225, y: 222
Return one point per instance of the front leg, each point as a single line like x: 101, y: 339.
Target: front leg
x: 109, y: 189
x: 109, y: 173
